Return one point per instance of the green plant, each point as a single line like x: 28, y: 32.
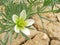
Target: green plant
x: 11, y: 7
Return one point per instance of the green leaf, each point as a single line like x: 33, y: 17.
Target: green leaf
x: 16, y: 36
x: 47, y: 2
x: 57, y: 1
x: 30, y: 27
x: 52, y: 4
x: 3, y: 1
x: 3, y: 27
x: 1, y: 31
x: 10, y: 37
x: 1, y: 42
x: 24, y: 35
x: 30, y: 1
x: 6, y: 17
x: 6, y: 38
x: 57, y: 11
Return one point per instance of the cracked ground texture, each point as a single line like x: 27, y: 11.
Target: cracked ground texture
x: 50, y: 35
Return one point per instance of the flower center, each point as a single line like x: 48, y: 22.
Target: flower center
x: 21, y: 23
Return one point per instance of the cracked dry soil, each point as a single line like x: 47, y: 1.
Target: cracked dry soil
x: 47, y: 33
x: 50, y: 35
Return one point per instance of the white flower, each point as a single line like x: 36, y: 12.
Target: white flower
x: 22, y: 23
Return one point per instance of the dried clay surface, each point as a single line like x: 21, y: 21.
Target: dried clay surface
x: 46, y: 31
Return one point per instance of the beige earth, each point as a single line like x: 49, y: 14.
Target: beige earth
x: 55, y: 42
x: 49, y: 35
x: 46, y: 30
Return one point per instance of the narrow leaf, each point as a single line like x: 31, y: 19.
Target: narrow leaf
x: 16, y: 36
x: 6, y: 38
x: 10, y: 37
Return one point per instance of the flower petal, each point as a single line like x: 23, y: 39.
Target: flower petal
x: 16, y: 29
x: 30, y: 22
x: 26, y: 31
x: 14, y: 18
x: 23, y: 14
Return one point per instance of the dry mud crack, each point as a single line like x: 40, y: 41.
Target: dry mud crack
x: 50, y: 35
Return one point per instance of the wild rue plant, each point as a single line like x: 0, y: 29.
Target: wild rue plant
x: 22, y: 23
x: 16, y: 16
